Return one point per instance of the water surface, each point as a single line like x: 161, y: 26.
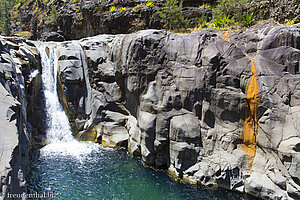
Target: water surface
x: 111, y: 174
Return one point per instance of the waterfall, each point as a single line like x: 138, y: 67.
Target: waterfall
x: 58, y: 126
x: 59, y: 135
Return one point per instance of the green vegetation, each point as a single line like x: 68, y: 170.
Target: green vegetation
x: 9, y: 8
x: 150, y: 4
x: 39, y: 2
x: 233, y: 13
x: 172, y: 16
x: 290, y: 22
x: 96, y: 11
x: 226, y: 14
x: 248, y: 20
x: 223, y: 22
x: 5, y: 15
x: 232, y: 8
x: 202, y: 21
x: 112, y: 9
x: 53, y: 15
x: 204, y: 7
x: 24, y: 34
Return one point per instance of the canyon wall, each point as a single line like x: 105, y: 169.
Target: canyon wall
x: 213, y: 108
x: 20, y: 117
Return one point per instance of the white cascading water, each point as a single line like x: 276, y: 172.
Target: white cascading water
x: 59, y: 135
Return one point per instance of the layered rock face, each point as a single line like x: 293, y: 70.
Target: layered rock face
x: 213, y: 108
x: 20, y: 90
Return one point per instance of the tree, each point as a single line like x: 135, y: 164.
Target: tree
x: 4, y: 17
x: 53, y: 14
x: 5, y: 7
x: 171, y: 15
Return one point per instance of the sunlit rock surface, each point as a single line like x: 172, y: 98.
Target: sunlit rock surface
x: 19, y: 128
x: 213, y: 108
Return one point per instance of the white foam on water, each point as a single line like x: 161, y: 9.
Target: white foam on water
x: 59, y: 135
x: 78, y: 150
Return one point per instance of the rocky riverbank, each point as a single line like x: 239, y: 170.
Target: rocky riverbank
x: 214, y: 108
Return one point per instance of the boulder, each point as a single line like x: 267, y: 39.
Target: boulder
x: 53, y: 36
x: 113, y: 135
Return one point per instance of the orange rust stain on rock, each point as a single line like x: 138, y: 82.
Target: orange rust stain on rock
x: 251, y: 108
x: 226, y: 36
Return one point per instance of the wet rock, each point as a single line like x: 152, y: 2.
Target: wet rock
x: 53, y: 36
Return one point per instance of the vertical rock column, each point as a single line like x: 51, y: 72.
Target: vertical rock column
x: 73, y: 86
x: 20, y: 86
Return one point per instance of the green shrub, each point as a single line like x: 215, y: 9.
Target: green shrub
x: 171, y: 15
x: 223, y: 22
x: 96, y: 11
x: 135, y: 8
x: 112, y: 9
x: 248, y: 20
x: 204, y: 7
x: 202, y: 23
x: 150, y: 4
x: 5, y: 15
x: 53, y: 15
x: 44, y: 2
x: 237, y: 10
x: 290, y: 22
x: 232, y: 8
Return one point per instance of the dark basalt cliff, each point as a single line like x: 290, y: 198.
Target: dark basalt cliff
x: 213, y: 108
x: 74, y: 19
x: 21, y: 114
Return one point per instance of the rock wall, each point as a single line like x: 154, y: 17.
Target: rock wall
x: 59, y: 20
x: 19, y: 119
x: 79, y: 19
x: 213, y: 108
x: 280, y: 10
